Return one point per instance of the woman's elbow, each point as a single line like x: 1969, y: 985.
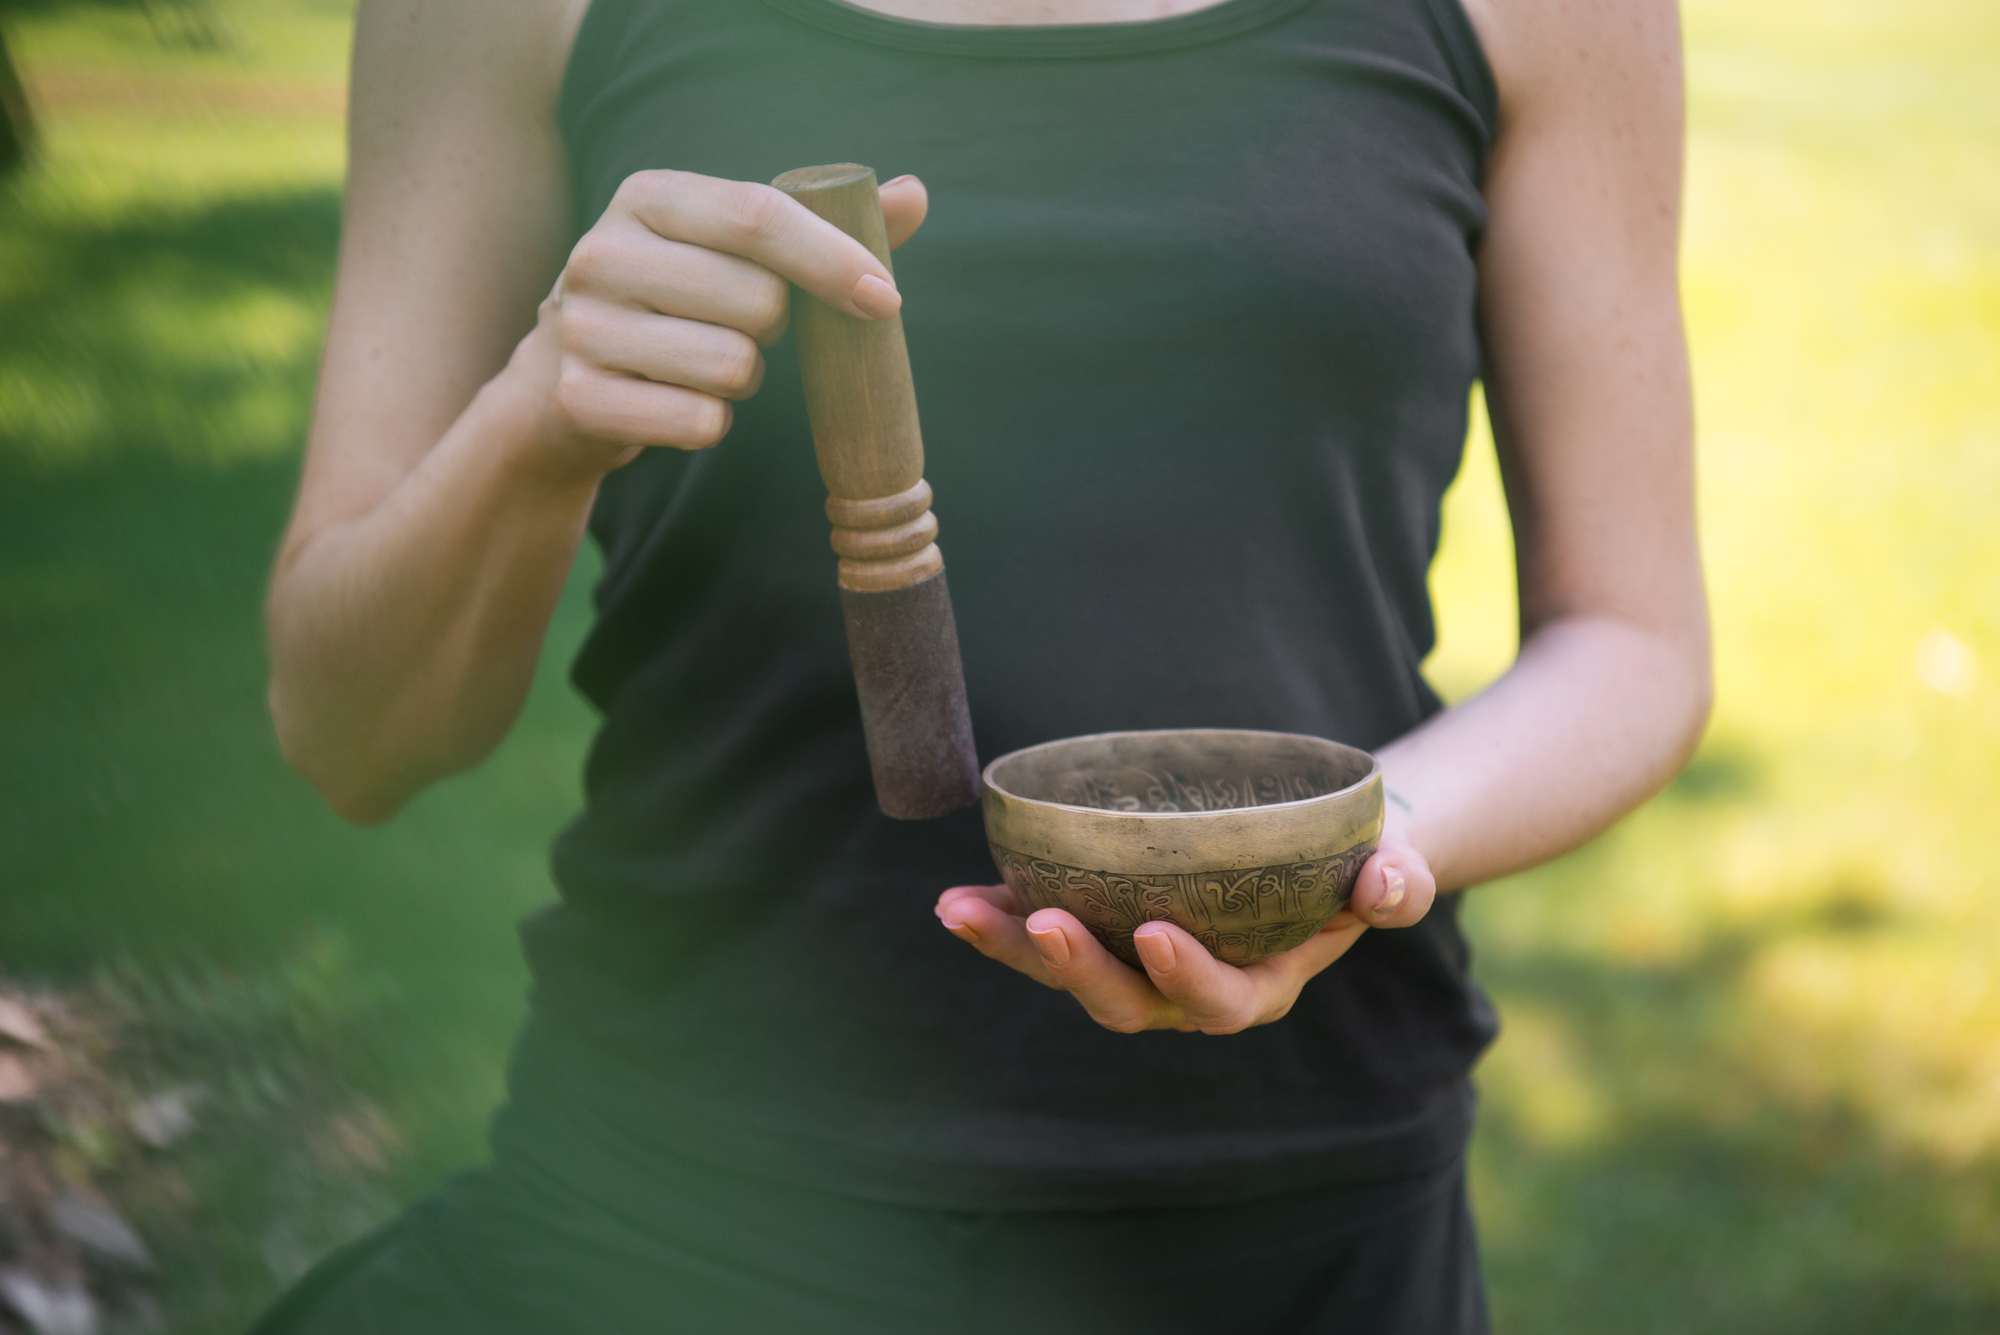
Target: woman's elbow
x: 347, y: 786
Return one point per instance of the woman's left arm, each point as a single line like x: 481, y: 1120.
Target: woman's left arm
x: 1587, y: 385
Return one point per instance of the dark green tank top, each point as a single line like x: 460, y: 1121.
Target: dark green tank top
x: 1192, y: 326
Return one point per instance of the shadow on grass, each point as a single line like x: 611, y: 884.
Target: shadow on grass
x: 281, y: 240
x: 188, y: 335
x: 132, y: 560
x: 1651, y: 1165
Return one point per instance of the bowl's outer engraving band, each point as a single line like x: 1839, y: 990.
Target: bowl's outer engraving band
x: 1240, y: 916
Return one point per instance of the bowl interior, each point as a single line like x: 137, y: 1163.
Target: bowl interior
x: 1180, y: 771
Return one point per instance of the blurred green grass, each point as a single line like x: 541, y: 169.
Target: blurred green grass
x: 1751, y: 1073
x: 164, y: 275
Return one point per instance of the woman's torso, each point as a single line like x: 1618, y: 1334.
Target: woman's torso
x: 1191, y: 322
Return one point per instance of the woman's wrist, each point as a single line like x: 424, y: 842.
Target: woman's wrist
x: 1402, y: 812
x: 517, y: 412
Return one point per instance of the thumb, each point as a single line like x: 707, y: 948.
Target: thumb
x: 904, y: 204
x: 1395, y: 888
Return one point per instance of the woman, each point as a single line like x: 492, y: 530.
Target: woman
x: 1193, y: 321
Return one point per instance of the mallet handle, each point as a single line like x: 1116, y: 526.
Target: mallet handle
x: 863, y: 404
x: 901, y: 636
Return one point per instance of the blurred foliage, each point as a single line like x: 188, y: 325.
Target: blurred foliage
x: 214, y: 1109
x: 1751, y: 1073
x: 263, y: 1039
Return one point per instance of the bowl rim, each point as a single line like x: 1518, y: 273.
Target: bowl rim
x: 1374, y: 772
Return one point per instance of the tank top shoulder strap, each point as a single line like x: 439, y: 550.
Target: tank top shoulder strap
x: 1466, y: 58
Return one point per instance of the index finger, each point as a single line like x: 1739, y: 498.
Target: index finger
x: 763, y: 224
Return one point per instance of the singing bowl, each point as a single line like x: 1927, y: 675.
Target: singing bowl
x: 1250, y: 841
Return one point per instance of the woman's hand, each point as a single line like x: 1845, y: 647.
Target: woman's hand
x: 442, y: 503
x: 658, y: 320
x: 1183, y: 987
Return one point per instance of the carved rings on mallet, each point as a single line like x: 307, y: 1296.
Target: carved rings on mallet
x: 885, y: 542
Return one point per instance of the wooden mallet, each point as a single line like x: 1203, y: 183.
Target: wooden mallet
x: 901, y: 636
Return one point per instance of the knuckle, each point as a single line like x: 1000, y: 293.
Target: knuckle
x: 639, y: 184
x: 592, y: 257
x: 577, y: 325
x: 769, y: 304
x: 752, y: 211
x: 575, y: 386
x: 708, y: 423
x: 1230, y: 1022
x: 553, y: 303
x: 1123, y: 1021
x: 738, y: 363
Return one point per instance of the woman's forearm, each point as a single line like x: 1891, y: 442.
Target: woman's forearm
x: 427, y: 552
x: 404, y: 636
x: 1595, y: 715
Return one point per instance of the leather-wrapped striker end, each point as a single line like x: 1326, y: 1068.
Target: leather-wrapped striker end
x: 904, y: 646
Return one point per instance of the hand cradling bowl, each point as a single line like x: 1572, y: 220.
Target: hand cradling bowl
x: 1250, y: 841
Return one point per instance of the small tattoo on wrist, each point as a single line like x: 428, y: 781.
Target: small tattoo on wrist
x: 1400, y: 801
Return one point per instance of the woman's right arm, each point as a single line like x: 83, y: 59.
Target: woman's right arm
x: 467, y: 410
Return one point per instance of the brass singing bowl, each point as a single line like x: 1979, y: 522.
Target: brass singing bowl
x: 1250, y: 841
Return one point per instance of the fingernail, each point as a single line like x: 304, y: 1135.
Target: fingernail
x: 1157, y: 950
x: 877, y: 300
x: 897, y: 180
x: 1392, y: 897
x: 962, y: 930
x: 1053, y: 945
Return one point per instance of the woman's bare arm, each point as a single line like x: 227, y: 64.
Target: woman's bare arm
x: 467, y: 410
x: 1587, y: 384
x: 1587, y: 379
x: 456, y: 213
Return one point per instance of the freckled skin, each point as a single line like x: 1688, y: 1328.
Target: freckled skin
x: 478, y: 383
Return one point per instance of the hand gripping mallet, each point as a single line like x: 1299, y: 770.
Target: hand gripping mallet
x: 901, y: 636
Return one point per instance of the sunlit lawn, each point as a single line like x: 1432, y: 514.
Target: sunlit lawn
x: 1751, y: 1075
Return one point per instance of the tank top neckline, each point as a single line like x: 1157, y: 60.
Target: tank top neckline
x: 1228, y: 18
